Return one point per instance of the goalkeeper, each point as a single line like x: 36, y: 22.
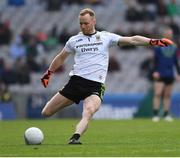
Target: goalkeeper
x: 90, y: 48
x: 164, y: 76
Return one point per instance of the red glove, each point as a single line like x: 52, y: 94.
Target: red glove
x: 46, y: 77
x: 161, y: 42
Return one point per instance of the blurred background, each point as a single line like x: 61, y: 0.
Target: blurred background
x: 33, y: 31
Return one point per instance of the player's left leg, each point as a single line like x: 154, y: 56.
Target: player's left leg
x: 166, y: 101
x: 57, y: 102
x: 158, y: 91
x: 90, y: 106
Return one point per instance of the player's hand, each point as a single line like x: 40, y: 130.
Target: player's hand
x: 164, y: 42
x: 46, y: 77
x: 156, y: 75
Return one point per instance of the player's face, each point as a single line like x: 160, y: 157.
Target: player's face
x: 87, y: 24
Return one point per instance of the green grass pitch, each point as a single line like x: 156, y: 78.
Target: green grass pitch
x: 107, y: 138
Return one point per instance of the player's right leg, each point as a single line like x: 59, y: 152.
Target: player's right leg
x: 158, y: 91
x: 90, y: 106
x: 56, y: 103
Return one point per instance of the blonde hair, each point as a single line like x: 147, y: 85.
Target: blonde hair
x: 87, y: 11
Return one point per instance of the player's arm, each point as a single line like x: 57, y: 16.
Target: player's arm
x: 56, y: 63
x: 58, y: 60
x: 143, y: 41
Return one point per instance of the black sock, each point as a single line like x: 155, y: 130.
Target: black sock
x: 75, y: 136
x: 155, y: 112
x: 166, y: 113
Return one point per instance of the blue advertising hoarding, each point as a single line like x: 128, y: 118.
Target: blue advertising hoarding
x: 35, y: 104
x: 126, y: 106
x: 7, y: 111
x: 175, y: 105
x: 116, y: 106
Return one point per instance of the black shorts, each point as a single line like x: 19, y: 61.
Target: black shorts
x: 166, y: 80
x: 79, y: 88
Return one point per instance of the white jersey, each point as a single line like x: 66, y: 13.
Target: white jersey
x: 91, y: 54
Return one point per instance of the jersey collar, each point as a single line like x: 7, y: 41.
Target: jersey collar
x: 90, y: 34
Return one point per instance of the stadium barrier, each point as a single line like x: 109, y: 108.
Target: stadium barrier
x: 114, y: 106
x: 7, y: 111
x: 128, y: 106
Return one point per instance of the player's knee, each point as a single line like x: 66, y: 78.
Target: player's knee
x: 88, y: 112
x: 45, y: 112
x: 167, y: 96
x: 158, y: 94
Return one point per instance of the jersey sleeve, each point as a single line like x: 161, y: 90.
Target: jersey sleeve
x: 69, y: 46
x: 113, y: 39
